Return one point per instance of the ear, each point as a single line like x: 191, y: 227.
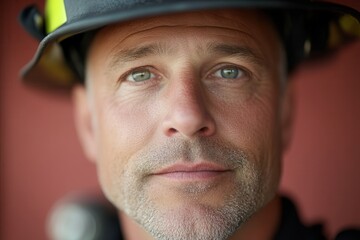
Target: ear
x: 287, y: 115
x: 83, y: 121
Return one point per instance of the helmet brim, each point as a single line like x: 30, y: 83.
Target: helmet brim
x: 49, y: 69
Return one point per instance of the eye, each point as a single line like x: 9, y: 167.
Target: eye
x: 140, y: 75
x: 229, y: 73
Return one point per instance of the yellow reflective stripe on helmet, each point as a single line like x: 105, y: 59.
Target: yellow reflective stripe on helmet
x: 55, y: 14
x: 345, y: 28
x: 350, y: 25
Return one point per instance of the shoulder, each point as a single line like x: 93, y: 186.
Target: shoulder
x: 349, y: 234
x: 291, y: 226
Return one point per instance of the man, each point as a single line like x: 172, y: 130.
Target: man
x: 185, y: 108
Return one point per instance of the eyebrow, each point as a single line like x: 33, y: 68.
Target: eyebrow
x: 133, y: 54
x: 245, y: 52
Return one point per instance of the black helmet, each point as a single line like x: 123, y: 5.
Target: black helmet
x: 306, y: 28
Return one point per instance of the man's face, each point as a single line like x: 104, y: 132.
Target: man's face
x: 183, y: 119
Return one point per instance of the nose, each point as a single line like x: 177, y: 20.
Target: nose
x: 187, y: 112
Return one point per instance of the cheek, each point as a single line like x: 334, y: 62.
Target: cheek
x: 122, y: 130
x: 254, y: 124
x: 122, y: 127
x: 254, y: 127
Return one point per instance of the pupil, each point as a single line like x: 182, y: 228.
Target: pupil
x: 229, y: 73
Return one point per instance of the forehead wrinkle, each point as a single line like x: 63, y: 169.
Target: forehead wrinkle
x: 166, y: 49
x: 149, y: 26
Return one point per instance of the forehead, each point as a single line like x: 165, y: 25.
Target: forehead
x: 253, y: 23
x: 244, y: 19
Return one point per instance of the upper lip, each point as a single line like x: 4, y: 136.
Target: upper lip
x: 191, y: 167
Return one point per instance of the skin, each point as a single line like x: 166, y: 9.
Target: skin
x: 188, y: 152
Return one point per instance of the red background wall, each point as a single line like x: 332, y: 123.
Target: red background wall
x: 41, y: 160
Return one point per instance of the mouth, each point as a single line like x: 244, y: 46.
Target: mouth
x: 191, y: 172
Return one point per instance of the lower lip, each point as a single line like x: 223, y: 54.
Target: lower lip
x: 192, y: 175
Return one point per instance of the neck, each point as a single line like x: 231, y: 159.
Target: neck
x: 267, y: 219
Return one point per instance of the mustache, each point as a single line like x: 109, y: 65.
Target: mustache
x: 153, y: 158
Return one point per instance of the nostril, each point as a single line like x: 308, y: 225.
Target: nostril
x: 201, y: 131
x: 204, y: 130
x: 172, y: 131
